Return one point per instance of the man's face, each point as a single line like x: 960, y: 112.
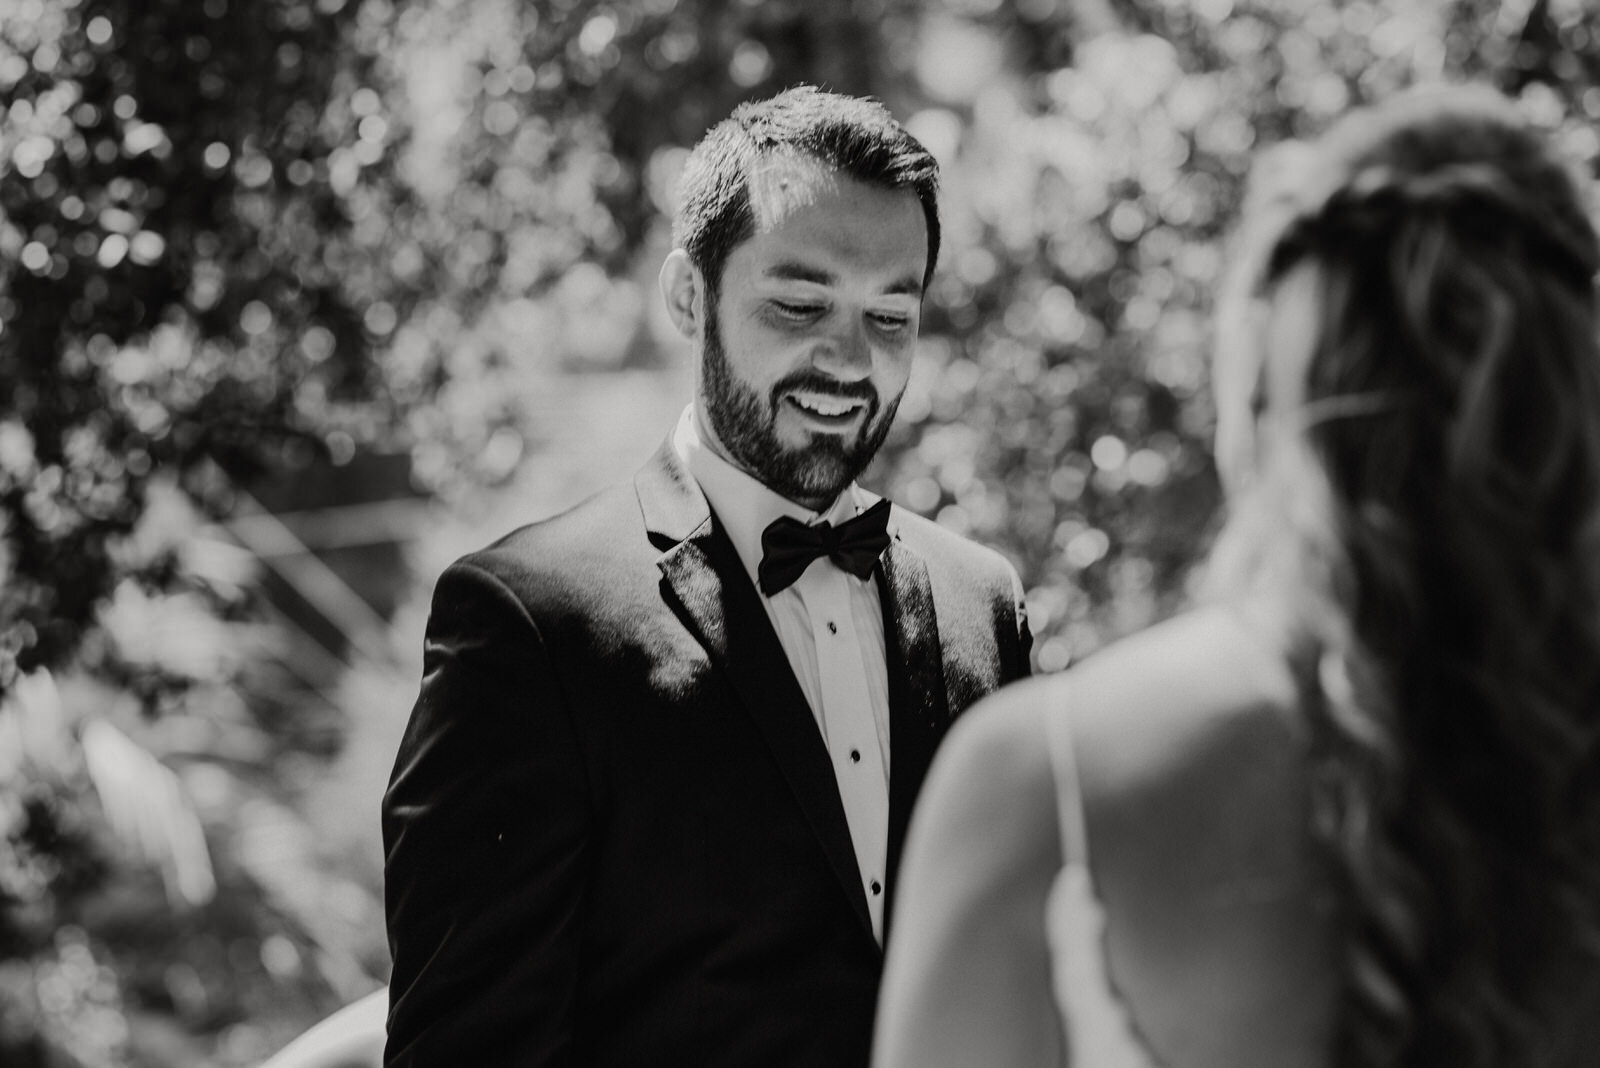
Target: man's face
x: 809, y: 337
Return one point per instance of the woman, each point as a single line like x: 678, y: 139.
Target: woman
x: 1348, y: 813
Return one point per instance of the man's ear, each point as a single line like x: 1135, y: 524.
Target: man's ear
x: 684, y: 291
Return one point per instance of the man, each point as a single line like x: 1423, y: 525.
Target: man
x: 651, y: 799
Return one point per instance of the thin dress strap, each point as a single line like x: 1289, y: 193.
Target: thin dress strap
x: 1069, y: 793
x: 1097, y: 1026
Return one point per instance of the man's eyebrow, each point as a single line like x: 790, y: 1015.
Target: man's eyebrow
x: 800, y: 272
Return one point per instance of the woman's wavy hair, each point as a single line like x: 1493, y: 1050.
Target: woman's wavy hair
x: 1428, y: 517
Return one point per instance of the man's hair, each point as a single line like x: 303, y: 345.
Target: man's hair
x: 855, y: 136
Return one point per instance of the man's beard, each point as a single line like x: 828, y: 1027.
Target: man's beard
x: 746, y: 425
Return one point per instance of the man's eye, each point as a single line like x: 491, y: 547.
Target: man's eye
x: 890, y: 324
x: 797, y: 312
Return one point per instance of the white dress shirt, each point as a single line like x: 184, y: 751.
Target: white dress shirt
x: 830, y: 625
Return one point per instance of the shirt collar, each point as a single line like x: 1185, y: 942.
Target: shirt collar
x: 743, y: 505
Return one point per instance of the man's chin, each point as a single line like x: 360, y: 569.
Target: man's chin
x: 819, y: 478
x: 805, y: 467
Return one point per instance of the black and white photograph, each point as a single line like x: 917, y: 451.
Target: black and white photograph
x: 799, y: 534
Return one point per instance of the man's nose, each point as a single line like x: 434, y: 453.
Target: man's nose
x: 845, y: 353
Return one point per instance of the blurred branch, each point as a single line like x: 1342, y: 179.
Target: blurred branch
x: 35, y: 738
x: 280, y: 549
x: 345, y: 526
x: 146, y: 807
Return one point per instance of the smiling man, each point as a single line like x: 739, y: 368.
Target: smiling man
x: 651, y: 799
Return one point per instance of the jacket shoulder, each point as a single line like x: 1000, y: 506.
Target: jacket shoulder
x: 574, y: 554
x: 979, y: 605
x: 946, y: 549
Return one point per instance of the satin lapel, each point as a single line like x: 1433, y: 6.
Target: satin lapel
x: 730, y: 622
x: 918, y: 710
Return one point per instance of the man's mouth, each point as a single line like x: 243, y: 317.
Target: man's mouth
x: 826, y: 407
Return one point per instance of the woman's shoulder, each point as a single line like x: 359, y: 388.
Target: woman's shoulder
x: 1172, y: 700
x: 1162, y: 728
x: 1192, y: 750
x: 1195, y: 700
x: 1209, y: 670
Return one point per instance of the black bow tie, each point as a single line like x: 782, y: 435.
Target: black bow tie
x: 789, y: 546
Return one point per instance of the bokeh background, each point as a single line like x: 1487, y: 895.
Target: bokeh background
x: 299, y: 299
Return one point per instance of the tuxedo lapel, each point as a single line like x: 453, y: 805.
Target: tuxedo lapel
x: 918, y: 709
x: 713, y: 595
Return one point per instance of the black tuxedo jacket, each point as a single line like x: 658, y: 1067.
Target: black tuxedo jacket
x: 613, y: 833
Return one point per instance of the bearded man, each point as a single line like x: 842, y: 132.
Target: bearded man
x: 652, y: 796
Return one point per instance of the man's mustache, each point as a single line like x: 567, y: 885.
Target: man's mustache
x: 816, y: 382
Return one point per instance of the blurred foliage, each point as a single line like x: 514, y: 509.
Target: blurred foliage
x: 191, y: 198
x: 1090, y: 182
x: 178, y: 222
x: 238, y: 237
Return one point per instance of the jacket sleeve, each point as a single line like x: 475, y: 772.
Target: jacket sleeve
x: 485, y: 826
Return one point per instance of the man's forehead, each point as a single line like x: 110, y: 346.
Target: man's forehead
x: 783, y: 183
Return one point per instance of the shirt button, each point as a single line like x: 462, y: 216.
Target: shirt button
x: 855, y: 756
x: 876, y: 889
x: 833, y: 628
